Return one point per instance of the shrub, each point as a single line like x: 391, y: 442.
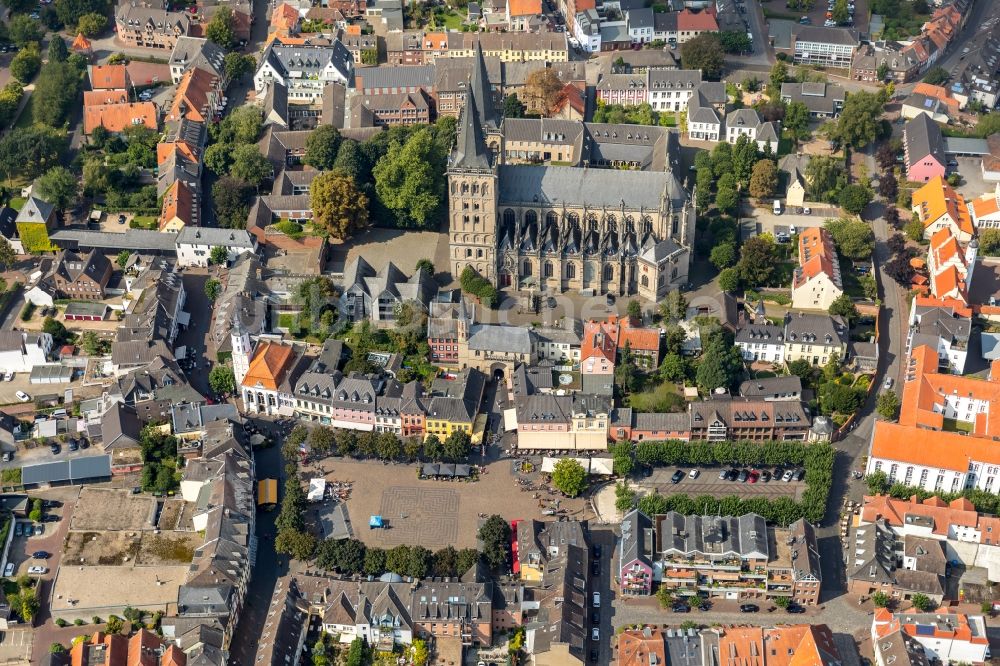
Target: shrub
x: 61, y: 622
x: 475, y: 284
x: 29, y: 309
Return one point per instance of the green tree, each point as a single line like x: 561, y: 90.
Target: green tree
x: 92, y: 24
x: 122, y: 258
x: 23, y: 30
x: 249, y: 165
x: 881, y: 599
x: 915, y: 228
x: 721, y: 365
x: 218, y: 157
x: 57, y: 93
x: 853, y: 198
x: 778, y: 75
x: 634, y: 310
x: 844, y: 306
x: 735, y: 41
x: 357, y: 655
x: 674, y: 306
x: 298, y: 545
x: 797, y: 119
x: 57, y: 49
x: 231, y: 199
x: 825, y: 177
x: 212, y: 289
x: 744, y: 158
x: 624, y: 497
x: 936, y: 76
x: 222, y: 28
x: 26, y: 63
x: 90, y: 343
x: 513, y: 107
x: 840, y: 14
x: 729, y: 280
x: 409, y: 180
x: 243, y: 125
x: 58, y: 186
x: 673, y: 368
x: 989, y: 242
x: 221, y: 380
x: 757, y: 260
x: 704, y: 52
x: 726, y: 199
x: 877, y: 482
x: 7, y: 256
x: 322, y: 146
x: 338, y: 205
x: 887, y: 405
x: 494, y: 535
x: 664, y: 596
x: 860, y: 118
x: 764, y: 180
x: 425, y: 265
x: 783, y: 602
x: 456, y: 447
x: 418, y: 652
x: 35, y: 515
x: 723, y: 255
x: 219, y: 255
x: 854, y: 238
x: 237, y: 65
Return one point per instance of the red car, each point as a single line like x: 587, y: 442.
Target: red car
x: 754, y: 475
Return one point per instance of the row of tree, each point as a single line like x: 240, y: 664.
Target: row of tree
x: 324, y: 441
x: 350, y: 557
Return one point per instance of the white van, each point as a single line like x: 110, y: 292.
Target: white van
x: 777, y: 206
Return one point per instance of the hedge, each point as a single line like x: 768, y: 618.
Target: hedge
x: 816, y: 459
x: 475, y: 284
x: 35, y: 238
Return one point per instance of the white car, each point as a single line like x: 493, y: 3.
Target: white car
x: 597, y: 599
x: 887, y: 384
x: 9, y: 569
x: 693, y: 474
x: 23, y: 397
x: 8, y: 376
x: 595, y: 634
x: 38, y: 570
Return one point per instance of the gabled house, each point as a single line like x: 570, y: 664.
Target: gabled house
x: 34, y: 222
x: 923, y: 147
x: 378, y: 296
x: 638, y: 550
x: 748, y: 122
x: 81, y: 276
x: 180, y: 208
x: 823, y: 100
x: 816, y: 282
x: 198, y: 97
x: 938, y: 206
x: 196, y: 52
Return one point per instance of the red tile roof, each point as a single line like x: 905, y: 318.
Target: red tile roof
x: 117, y: 117
x: 108, y: 76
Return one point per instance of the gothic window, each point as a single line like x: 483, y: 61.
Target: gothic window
x: 475, y: 188
x: 551, y: 218
x: 509, y: 218
x: 465, y: 188
x: 645, y: 281
x: 612, y: 223
x: 609, y: 272
x: 673, y: 273
x: 629, y: 223
x: 570, y: 271
x: 574, y: 220
x: 592, y: 222
x: 647, y: 225
x: 468, y: 252
x: 484, y: 190
x: 548, y: 269
x: 530, y: 217
x: 674, y: 225
x: 526, y: 270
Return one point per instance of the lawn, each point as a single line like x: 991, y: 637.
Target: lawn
x: 286, y: 320
x: 17, y: 203
x: 27, y: 116
x: 954, y: 425
x: 662, y: 398
x: 852, y: 283
x: 452, y: 20
x: 145, y: 222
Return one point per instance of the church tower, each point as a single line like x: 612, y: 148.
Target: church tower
x: 472, y: 182
x: 242, y: 351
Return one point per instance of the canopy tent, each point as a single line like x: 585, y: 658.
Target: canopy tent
x: 316, y: 489
x: 375, y: 522
x: 267, y: 492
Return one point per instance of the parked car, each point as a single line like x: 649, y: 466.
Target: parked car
x: 597, y: 551
x: 22, y: 396
x: 693, y: 474
x: 41, y: 555
x: 9, y: 569
x: 597, y: 599
x: 595, y: 568
x: 51, y: 504
x: 39, y: 530
x: 788, y: 475
x: 593, y: 656
x: 54, y: 448
x: 8, y: 376
x: 754, y: 476
x: 8, y: 456
x: 595, y: 618
x: 795, y: 609
x: 887, y: 384
x: 595, y: 634
x: 51, y: 518
x: 677, y: 477
x: 799, y: 475
x: 18, y: 529
x: 681, y: 608
x: 36, y: 570
x: 73, y: 445
x: 724, y: 475
x: 744, y: 476
x: 749, y: 608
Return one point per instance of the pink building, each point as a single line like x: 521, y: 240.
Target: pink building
x: 923, y: 147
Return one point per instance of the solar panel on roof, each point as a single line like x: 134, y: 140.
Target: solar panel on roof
x: 925, y: 630
x: 928, y: 103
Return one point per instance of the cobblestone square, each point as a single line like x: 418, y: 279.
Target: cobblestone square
x: 424, y: 516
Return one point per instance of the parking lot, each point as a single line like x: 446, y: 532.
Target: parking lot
x: 817, y: 14
x: 709, y: 483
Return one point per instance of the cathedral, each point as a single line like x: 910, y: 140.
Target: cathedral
x: 555, y: 205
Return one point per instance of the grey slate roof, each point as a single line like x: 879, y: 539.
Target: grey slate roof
x: 713, y: 537
x: 74, y: 470
x: 640, y: 18
x: 308, y: 59
x: 638, y: 543
x: 818, y: 97
x: 192, y: 52
x: 820, y: 328
x: 491, y: 337
x: 761, y: 333
x: 141, y: 240
x: 214, y: 236
x: 413, y: 76
x: 786, y: 385
x: 594, y: 187
x: 822, y: 35
x: 35, y: 210
x: 923, y: 137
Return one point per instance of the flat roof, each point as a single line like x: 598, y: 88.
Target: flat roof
x: 133, y: 239
x: 94, y: 588
x: 50, y: 373
x: 73, y: 470
x: 957, y: 145
x: 90, y: 308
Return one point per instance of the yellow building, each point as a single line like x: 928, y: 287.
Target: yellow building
x: 455, y: 402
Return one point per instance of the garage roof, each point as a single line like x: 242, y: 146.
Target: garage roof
x: 73, y: 470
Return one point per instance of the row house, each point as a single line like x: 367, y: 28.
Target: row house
x: 726, y: 418
x: 747, y: 122
x: 879, y: 562
x: 940, y: 637
x: 140, y: 26
x: 897, y: 62
x: 939, y: 206
x: 726, y: 557
x: 809, y: 336
x: 950, y: 266
x: 923, y: 150
x: 305, y: 70
x: 985, y: 210
x: 199, y: 97
x: 944, y: 325
x: 816, y: 282
x: 268, y: 386
x: 576, y: 422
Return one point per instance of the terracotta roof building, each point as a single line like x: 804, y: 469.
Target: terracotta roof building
x: 197, y: 98
x: 938, y: 205
x: 119, y: 117
x: 816, y: 283
x: 108, y: 77
x: 269, y: 382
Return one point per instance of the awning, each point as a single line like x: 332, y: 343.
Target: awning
x: 316, y: 489
x: 267, y: 492
x: 375, y: 521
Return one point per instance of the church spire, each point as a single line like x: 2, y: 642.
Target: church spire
x: 470, y: 151
x: 480, y: 86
